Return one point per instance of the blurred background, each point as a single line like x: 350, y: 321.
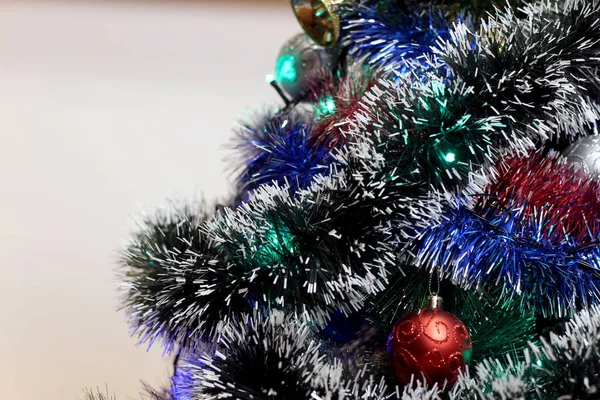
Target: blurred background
x: 107, y: 107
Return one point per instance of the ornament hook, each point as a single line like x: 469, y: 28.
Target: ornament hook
x: 435, y: 301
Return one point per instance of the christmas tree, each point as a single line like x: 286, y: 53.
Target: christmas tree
x: 422, y: 151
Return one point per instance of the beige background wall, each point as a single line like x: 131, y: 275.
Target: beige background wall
x: 103, y: 106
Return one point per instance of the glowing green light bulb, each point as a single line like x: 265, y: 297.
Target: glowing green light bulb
x: 325, y: 107
x: 285, y: 69
x: 269, y: 78
x: 467, y: 354
x: 450, y: 157
x: 278, y: 241
x: 330, y: 104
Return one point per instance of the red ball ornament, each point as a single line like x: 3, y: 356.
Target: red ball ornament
x: 429, y: 343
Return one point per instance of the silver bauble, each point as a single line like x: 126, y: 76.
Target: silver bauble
x: 298, y: 58
x: 585, y: 152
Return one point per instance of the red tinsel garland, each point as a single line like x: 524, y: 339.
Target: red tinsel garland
x: 345, y: 93
x: 548, y: 184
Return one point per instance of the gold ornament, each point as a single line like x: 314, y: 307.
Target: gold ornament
x: 319, y: 20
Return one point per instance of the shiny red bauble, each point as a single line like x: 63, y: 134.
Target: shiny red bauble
x: 431, y: 344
